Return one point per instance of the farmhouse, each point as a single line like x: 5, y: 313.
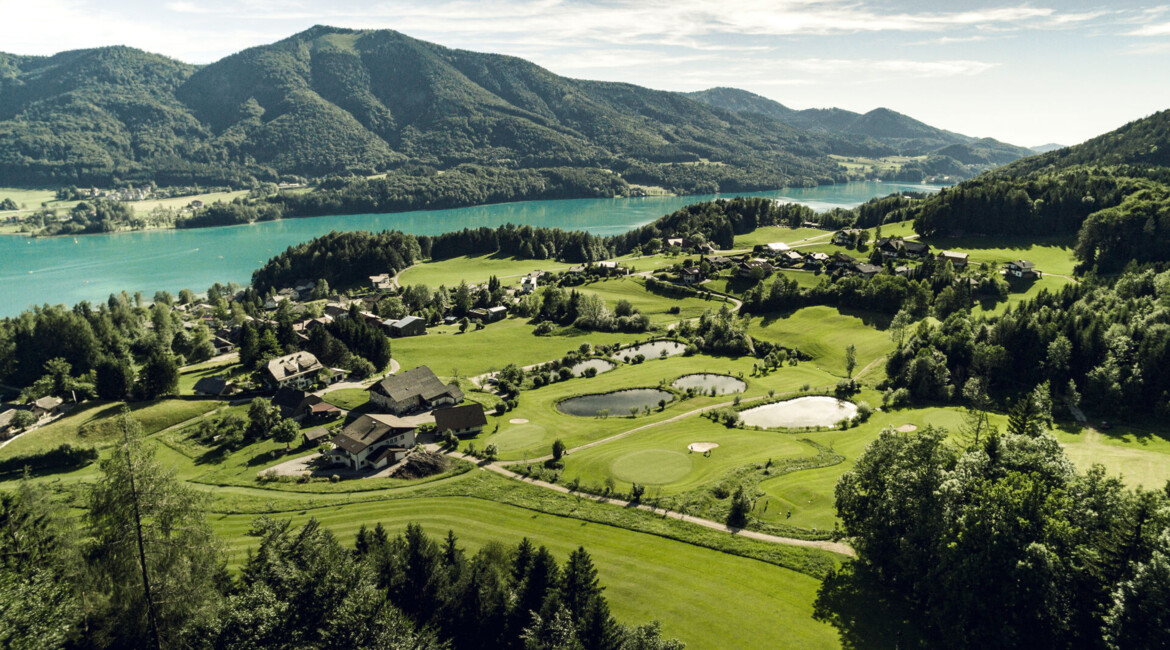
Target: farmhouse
x: 373, y: 442
x: 212, y: 386
x: 789, y: 258
x: 298, y: 369
x: 818, y: 258
x: 691, y: 275
x: 897, y: 248
x: 841, y: 261
x: 414, y: 390
x: 1023, y: 269
x: 489, y: 315
x: 409, y: 326
x: 47, y: 406
x: 298, y: 404
x: 958, y: 260
x: 466, y: 420
x: 846, y: 236
x: 867, y: 270
x: 382, y: 282
x: 748, y: 267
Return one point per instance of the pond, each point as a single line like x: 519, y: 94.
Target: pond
x: 600, y: 365
x: 704, y: 382
x: 812, y: 411
x: 618, y: 403
x: 650, y: 350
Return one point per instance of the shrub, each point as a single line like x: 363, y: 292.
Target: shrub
x: 864, y: 411
x: 334, y: 479
x: 636, y: 492
x: 589, y: 372
x: 544, y: 328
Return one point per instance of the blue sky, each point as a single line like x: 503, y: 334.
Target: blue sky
x: 1027, y: 73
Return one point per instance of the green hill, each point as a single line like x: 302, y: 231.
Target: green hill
x: 883, y: 127
x: 338, y: 101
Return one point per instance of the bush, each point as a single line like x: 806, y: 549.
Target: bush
x: 65, y: 457
x: 589, y: 372
x: 543, y: 328
x: 675, y: 310
x: 896, y: 398
x: 636, y: 492
x: 334, y: 479
x: 864, y: 411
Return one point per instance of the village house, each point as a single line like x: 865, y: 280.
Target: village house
x: 748, y: 267
x: 382, y: 282
x: 773, y: 249
x: 414, y: 390
x: 817, y: 258
x: 1023, y: 269
x: 407, y: 326
x: 840, y: 260
x: 706, y: 248
x: 466, y: 420
x: 897, y: 248
x: 671, y: 242
x: 212, y: 386
x: 6, y: 428
x: 789, y: 258
x: 529, y: 282
x: 610, y: 268
x: 372, y: 442
x: 274, y: 301
x: 846, y: 236
x: 867, y: 270
x: 305, y: 326
x: 299, y: 405
x: 690, y: 275
x: 316, y: 435
x: 48, y: 407
x: 958, y: 260
x: 489, y: 315
x: 299, y: 370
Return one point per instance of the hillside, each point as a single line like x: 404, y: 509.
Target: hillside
x: 1112, y: 191
x: 902, y: 133
x: 336, y: 101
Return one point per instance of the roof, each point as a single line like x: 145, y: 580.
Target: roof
x: 1023, y: 264
x: 211, y: 385
x: 316, y: 434
x: 842, y: 257
x: 6, y: 417
x: 867, y: 268
x: 777, y: 246
x: 289, y: 398
x: 916, y: 246
x: 404, y: 322
x: 321, y: 407
x: 457, y: 418
x: 49, y: 403
x: 497, y: 309
x: 954, y: 255
x: 368, y: 430
x: 387, y: 453
x: 293, y: 365
x: 420, y: 381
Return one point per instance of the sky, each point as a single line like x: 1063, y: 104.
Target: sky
x: 1027, y: 73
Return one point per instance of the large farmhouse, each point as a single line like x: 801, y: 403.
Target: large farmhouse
x: 465, y: 420
x: 414, y: 390
x: 373, y: 442
x: 299, y: 370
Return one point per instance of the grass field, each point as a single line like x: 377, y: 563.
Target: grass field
x: 645, y: 577
x: 655, y: 306
x: 174, y: 203
x: 473, y: 353
x: 824, y: 333
x: 1140, y: 455
x: 790, y: 236
x: 1051, y: 255
x: 475, y: 270
x: 545, y: 423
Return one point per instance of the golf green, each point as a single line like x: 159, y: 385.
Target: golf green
x: 653, y: 466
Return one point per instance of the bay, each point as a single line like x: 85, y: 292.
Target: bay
x: 68, y: 270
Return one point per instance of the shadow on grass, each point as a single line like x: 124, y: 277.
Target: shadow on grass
x: 852, y: 601
x: 874, y: 319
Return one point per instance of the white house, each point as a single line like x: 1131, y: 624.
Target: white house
x: 373, y: 442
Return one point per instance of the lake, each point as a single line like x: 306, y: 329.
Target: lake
x: 91, y: 267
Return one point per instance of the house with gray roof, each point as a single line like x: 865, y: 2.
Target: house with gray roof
x: 373, y: 442
x: 417, y: 389
x: 298, y: 370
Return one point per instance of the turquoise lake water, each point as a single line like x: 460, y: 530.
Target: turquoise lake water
x: 91, y: 267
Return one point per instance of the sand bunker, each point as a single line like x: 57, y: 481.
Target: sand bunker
x: 517, y: 421
x: 702, y: 447
x: 907, y: 428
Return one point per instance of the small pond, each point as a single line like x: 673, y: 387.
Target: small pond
x: 704, y: 382
x: 618, y: 402
x: 812, y: 411
x: 651, y: 350
x: 600, y: 365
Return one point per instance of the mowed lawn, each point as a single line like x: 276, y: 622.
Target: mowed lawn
x: 706, y: 598
x: 1139, y: 455
x: 824, y: 333
x: 474, y: 353
x: 545, y: 423
x: 659, y: 458
x: 656, y: 307
x: 475, y: 270
x: 790, y: 236
x: 808, y: 494
x: 1051, y: 255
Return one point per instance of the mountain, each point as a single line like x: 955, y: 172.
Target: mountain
x: 339, y: 101
x: 906, y: 135
x: 1045, y: 148
x: 1144, y: 142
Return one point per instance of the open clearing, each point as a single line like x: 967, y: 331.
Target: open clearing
x: 824, y: 333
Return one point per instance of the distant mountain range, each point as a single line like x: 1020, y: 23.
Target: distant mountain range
x: 338, y: 101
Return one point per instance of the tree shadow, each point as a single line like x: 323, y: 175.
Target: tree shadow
x: 852, y: 600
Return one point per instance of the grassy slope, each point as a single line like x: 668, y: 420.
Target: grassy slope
x: 646, y: 577
x: 475, y: 270
x: 770, y: 234
x: 824, y: 333
x: 656, y: 307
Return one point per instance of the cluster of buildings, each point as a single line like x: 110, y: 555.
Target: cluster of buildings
x: 42, y: 409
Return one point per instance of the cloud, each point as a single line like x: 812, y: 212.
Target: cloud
x: 1161, y: 29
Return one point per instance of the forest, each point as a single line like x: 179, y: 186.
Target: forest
x: 142, y: 568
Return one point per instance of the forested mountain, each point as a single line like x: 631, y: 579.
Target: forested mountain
x: 338, y: 101
x: 901, y: 133
x: 1112, y: 191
